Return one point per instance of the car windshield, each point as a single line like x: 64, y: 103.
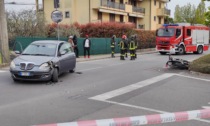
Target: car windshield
x: 40, y: 50
x: 166, y: 32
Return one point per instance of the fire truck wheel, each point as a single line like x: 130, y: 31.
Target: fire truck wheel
x: 162, y: 53
x: 200, y: 50
x: 181, y: 50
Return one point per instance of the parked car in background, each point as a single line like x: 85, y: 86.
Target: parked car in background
x: 43, y: 60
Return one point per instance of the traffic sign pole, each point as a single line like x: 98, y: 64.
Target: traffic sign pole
x: 57, y: 17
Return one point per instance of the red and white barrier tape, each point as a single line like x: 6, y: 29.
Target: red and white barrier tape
x: 142, y: 120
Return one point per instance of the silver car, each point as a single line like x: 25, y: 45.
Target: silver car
x: 43, y: 61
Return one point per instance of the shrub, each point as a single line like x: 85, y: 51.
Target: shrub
x: 201, y: 65
x: 106, y: 29
x: 146, y: 39
x: 64, y: 30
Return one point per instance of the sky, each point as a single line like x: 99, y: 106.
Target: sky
x: 171, y: 5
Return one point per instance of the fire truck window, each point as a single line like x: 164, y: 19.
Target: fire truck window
x: 167, y: 32
x: 188, y: 32
x: 178, y: 32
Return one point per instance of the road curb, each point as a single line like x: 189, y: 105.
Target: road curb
x: 142, y: 120
x: 108, y: 56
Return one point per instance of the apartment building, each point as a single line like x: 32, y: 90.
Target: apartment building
x: 145, y: 14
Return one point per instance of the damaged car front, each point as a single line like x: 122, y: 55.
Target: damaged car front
x: 36, y: 63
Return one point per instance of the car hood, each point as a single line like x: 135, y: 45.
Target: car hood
x: 37, y: 60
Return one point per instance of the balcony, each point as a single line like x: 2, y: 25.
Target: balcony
x: 138, y: 9
x: 163, y: 12
x: 114, y: 5
x: 165, y: 1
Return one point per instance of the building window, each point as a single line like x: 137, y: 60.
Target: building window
x: 111, y: 17
x: 56, y: 3
x: 133, y: 20
x: 67, y: 14
x: 159, y: 20
x: 160, y: 4
x: 99, y: 16
x: 155, y: 2
x: 121, y: 1
x: 121, y: 18
x: 154, y: 18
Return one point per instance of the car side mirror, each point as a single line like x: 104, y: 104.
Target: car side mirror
x: 17, y: 52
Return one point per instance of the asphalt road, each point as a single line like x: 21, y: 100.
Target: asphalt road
x: 102, y: 89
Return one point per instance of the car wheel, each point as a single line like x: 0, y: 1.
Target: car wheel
x: 55, y: 75
x: 162, y: 53
x: 181, y: 50
x: 200, y: 50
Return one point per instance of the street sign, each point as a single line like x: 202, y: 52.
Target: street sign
x: 56, y: 16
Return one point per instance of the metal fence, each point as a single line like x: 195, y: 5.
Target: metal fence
x: 98, y: 45
x: 139, y: 9
x: 110, y: 4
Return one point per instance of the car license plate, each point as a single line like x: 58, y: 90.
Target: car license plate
x: 25, y: 73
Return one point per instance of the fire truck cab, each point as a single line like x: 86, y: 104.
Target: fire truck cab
x: 182, y: 38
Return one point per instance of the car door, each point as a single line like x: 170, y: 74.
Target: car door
x: 65, y: 57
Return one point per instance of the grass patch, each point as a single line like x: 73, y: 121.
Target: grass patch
x: 201, y: 64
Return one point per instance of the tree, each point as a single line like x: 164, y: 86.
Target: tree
x: 26, y: 23
x: 168, y: 20
x: 188, y: 13
x: 207, y: 17
x: 177, y: 14
x: 200, y: 13
x: 4, y: 49
x: 185, y: 14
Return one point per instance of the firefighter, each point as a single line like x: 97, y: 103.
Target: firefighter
x: 126, y: 47
x: 136, y: 45
x: 113, y: 43
x: 132, y: 48
x: 122, y: 47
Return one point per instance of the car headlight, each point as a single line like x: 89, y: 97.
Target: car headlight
x: 12, y: 65
x: 44, y: 66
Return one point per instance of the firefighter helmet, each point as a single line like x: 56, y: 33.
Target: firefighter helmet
x: 114, y: 36
x: 124, y: 37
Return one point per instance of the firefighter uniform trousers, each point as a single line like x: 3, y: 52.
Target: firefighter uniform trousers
x: 122, y: 50
x: 132, y: 48
x: 136, y: 46
x: 126, y: 48
x: 113, y: 48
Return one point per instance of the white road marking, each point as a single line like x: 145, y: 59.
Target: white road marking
x: 206, y: 107
x: 137, y: 107
x: 2, y: 71
x: 192, y: 77
x: 118, y: 92
x: 132, y: 87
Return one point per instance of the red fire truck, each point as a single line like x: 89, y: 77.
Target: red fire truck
x: 182, y: 38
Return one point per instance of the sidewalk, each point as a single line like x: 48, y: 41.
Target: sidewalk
x: 106, y: 56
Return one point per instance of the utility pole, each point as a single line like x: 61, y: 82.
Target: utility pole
x: 37, y: 5
x: 4, y: 46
